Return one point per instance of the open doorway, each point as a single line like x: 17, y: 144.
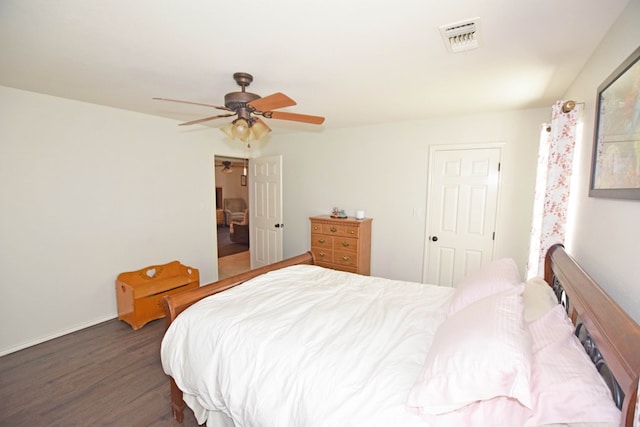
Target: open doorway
x: 232, y: 215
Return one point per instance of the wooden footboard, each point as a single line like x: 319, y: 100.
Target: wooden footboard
x: 173, y: 305
x: 615, y: 334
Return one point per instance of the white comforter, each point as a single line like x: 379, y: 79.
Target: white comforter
x: 306, y: 346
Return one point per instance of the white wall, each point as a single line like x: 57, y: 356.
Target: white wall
x: 383, y: 170
x: 606, y: 232
x: 87, y: 192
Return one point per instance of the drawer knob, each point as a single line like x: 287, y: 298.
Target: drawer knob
x: 333, y: 229
x: 352, y: 232
x: 345, y: 244
x: 345, y: 258
x: 322, y: 254
x: 321, y: 241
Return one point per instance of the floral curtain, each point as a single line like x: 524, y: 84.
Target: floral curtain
x: 555, y: 162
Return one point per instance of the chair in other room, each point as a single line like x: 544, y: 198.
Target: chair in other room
x: 234, y: 210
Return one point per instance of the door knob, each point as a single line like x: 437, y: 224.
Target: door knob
x: 434, y: 238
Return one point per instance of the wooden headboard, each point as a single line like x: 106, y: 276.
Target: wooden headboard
x: 612, y: 337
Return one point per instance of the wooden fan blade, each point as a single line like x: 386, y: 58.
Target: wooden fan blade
x: 272, y: 102
x: 192, y: 103
x: 305, y: 118
x: 193, y: 122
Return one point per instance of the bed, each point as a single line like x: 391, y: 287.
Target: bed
x: 294, y: 344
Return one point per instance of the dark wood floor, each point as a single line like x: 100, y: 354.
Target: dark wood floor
x: 225, y: 246
x: 106, y: 375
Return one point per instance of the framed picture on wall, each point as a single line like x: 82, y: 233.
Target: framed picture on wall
x: 243, y: 180
x: 615, y: 165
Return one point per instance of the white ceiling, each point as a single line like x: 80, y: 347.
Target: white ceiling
x: 355, y: 62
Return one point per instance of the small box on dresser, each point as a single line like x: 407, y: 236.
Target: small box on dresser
x: 342, y: 243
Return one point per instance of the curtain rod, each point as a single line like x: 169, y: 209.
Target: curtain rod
x: 568, y: 106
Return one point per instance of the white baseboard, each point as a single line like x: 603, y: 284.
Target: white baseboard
x: 53, y: 335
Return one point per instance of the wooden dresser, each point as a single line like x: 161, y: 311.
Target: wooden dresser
x: 342, y: 244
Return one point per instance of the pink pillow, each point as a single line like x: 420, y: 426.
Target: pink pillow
x: 479, y: 353
x: 565, y: 385
x: 498, y: 276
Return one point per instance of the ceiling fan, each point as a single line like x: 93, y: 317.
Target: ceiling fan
x: 248, y: 106
x: 226, y: 167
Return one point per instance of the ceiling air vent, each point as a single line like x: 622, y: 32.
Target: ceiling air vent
x: 461, y: 36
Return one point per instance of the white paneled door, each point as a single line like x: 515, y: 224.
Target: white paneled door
x: 461, y: 212
x: 265, y: 193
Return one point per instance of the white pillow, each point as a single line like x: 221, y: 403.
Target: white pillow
x: 495, y: 277
x: 538, y: 298
x: 479, y: 353
x: 565, y: 385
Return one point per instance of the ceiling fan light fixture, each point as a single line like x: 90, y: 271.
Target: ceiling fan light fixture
x: 228, y: 130
x: 245, y: 130
x: 258, y: 130
x: 241, y: 129
x: 238, y: 129
x: 226, y: 167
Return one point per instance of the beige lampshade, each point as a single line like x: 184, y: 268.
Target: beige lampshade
x: 258, y: 130
x: 228, y: 130
x: 241, y: 129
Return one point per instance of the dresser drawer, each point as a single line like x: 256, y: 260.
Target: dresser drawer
x: 352, y: 231
x: 334, y: 229
x: 322, y: 255
x: 339, y: 230
x: 349, y: 244
x: 321, y: 241
x: 345, y: 259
